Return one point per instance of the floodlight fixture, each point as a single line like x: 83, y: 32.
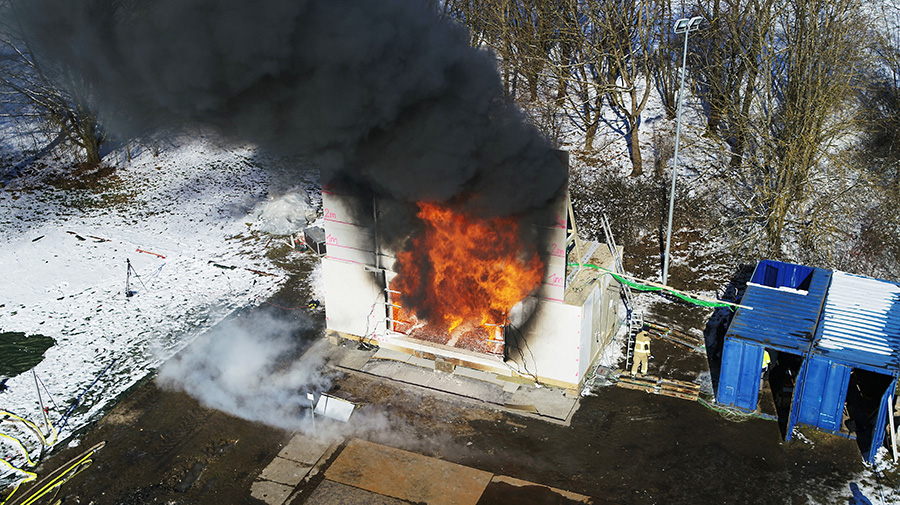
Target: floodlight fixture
x: 685, y: 25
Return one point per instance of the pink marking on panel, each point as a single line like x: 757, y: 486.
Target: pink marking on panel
x: 341, y: 222
x: 555, y: 250
x: 561, y: 221
x: 352, y: 248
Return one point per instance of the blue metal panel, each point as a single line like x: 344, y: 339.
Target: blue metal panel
x: 860, y: 323
x: 823, y: 394
x: 884, y: 410
x: 781, y: 319
x: 740, y: 375
x: 776, y: 274
x: 794, y: 414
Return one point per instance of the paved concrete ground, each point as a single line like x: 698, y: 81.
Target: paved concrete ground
x: 369, y: 473
x: 551, y: 404
x: 293, y: 465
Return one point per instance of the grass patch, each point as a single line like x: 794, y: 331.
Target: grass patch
x: 20, y: 353
x: 98, y: 187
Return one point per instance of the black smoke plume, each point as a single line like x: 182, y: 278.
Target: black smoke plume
x: 387, y: 93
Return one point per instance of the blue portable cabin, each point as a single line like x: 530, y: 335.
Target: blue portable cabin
x: 845, y: 330
x: 780, y: 311
x: 855, y: 360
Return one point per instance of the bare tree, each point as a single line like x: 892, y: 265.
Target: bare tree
x: 581, y: 65
x: 54, y: 95
x: 631, y: 27
x: 875, y: 249
x: 730, y: 52
x: 809, y: 68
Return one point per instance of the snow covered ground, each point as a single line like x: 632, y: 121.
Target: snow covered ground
x: 187, y: 220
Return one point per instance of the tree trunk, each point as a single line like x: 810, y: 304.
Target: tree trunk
x: 589, y: 135
x: 737, y: 152
x: 592, y: 119
x: 634, y: 152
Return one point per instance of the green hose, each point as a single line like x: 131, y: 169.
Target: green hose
x: 645, y: 287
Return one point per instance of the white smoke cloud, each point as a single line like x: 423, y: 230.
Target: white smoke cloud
x: 250, y: 367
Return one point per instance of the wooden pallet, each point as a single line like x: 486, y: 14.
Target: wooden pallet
x: 666, y: 387
x: 679, y: 389
x: 646, y: 383
x: 676, y: 337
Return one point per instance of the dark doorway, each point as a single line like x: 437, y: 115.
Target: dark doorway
x: 782, y: 378
x: 864, y: 394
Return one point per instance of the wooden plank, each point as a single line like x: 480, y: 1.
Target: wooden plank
x: 647, y: 389
x: 679, y: 391
x: 679, y: 384
x: 675, y: 394
x: 667, y: 387
x: 407, y: 476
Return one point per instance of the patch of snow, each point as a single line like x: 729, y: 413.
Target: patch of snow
x: 185, y: 221
x: 287, y: 214
x: 803, y: 438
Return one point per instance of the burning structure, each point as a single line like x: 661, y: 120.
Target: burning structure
x: 469, y: 290
x: 391, y: 98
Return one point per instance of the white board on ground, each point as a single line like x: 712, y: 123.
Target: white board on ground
x: 335, y: 408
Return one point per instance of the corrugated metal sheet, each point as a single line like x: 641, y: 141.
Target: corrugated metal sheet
x: 782, y: 317
x: 884, y: 409
x: 860, y: 323
x: 740, y: 374
x: 823, y: 393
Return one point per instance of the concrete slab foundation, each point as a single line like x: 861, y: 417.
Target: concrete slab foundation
x: 270, y: 492
x: 303, y: 449
x: 285, y: 471
x: 550, y: 402
x: 296, y: 461
x: 513, y: 393
x: 330, y: 493
x: 428, y: 378
x: 348, y: 356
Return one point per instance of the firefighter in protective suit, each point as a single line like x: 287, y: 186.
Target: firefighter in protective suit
x: 641, y: 353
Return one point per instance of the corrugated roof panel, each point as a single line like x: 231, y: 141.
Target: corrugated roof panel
x: 780, y: 318
x: 861, y: 323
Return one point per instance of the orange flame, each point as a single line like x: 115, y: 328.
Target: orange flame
x: 461, y: 276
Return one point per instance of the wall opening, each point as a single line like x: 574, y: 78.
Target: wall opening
x: 783, y: 370
x: 864, y: 395
x: 775, y: 274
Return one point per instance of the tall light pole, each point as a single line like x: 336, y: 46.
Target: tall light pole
x: 685, y: 26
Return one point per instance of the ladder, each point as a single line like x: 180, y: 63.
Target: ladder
x: 620, y: 269
x: 635, y: 320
